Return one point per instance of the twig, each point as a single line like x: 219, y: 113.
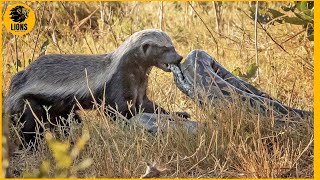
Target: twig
x: 85, y: 39
x: 161, y: 15
x: 84, y: 20
x: 217, y: 10
x: 275, y: 19
x: 214, y: 39
x: 112, y: 32
x: 102, y: 15
x: 218, y: 33
x: 106, y: 21
x: 303, y: 30
x: 17, y: 58
x: 4, y: 7
x: 311, y: 68
x: 265, y: 30
x: 291, y: 94
x: 68, y: 13
x: 294, y: 55
x: 256, y: 38
x: 38, y: 34
x: 54, y: 39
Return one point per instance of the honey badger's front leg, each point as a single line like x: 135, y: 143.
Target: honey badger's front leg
x: 151, y: 107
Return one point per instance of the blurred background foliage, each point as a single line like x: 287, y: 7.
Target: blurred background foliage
x: 296, y: 13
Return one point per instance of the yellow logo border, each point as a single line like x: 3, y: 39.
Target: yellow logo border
x: 19, y: 28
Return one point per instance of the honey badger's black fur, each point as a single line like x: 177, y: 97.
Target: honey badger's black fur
x: 59, y: 80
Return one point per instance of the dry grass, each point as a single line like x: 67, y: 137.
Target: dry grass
x: 234, y: 143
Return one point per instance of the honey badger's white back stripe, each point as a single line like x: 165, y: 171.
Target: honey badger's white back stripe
x: 150, y: 36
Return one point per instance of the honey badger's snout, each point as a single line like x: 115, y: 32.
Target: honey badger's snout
x: 170, y: 56
x: 179, y: 59
x: 176, y: 58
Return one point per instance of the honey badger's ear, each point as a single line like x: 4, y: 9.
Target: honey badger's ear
x: 145, y: 47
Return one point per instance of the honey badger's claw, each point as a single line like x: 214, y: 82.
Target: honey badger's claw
x: 183, y: 114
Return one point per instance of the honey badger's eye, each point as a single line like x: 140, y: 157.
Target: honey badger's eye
x: 145, y: 48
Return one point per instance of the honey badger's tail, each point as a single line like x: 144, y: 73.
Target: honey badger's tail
x: 17, y: 83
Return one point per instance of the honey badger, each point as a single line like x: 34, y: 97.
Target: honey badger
x: 121, y: 77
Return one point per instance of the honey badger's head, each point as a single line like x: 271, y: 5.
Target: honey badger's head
x: 155, y: 48
x: 161, y: 56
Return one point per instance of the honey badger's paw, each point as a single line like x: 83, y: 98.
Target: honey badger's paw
x: 183, y: 114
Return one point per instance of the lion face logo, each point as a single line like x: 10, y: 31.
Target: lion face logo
x: 19, y: 14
